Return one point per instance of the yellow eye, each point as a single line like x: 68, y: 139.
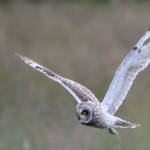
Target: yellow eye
x: 84, y: 112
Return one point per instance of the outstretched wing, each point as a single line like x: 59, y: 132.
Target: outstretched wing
x: 136, y: 61
x: 79, y: 92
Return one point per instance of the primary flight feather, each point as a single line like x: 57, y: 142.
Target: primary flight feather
x: 89, y: 110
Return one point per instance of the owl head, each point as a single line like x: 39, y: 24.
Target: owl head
x: 84, y: 113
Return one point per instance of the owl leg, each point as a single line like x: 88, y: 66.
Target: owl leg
x: 113, y: 131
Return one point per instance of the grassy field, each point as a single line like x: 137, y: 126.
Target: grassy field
x: 83, y: 42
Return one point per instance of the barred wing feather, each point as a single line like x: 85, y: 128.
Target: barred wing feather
x: 78, y: 91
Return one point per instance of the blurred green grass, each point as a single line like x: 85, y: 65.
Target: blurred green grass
x: 80, y: 42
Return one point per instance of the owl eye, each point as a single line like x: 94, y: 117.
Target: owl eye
x: 84, y: 112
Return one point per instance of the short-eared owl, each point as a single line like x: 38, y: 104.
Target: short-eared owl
x: 89, y: 110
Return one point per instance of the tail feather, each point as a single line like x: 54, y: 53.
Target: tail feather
x: 125, y: 124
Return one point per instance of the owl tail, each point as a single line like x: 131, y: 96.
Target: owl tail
x: 125, y: 124
x: 122, y: 124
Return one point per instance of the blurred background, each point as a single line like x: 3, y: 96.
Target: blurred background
x: 82, y: 40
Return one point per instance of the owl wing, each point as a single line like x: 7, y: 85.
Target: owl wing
x: 79, y: 92
x: 136, y: 61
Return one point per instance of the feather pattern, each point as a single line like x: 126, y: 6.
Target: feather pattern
x: 78, y: 91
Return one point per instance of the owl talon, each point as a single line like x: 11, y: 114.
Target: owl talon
x: 113, y: 131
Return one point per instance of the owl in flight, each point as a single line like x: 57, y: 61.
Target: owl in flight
x: 89, y: 110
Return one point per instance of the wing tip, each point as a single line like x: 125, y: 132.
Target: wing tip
x: 18, y: 55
